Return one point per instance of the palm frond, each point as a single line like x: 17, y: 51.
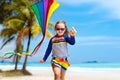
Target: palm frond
x: 35, y: 30
x: 32, y: 15
x: 23, y: 2
x: 9, y: 39
x: 21, y: 16
x: 14, y: 23
x: 12, y: 7
x: 26, y: 12
x: 7, y: 32
x: 28, y: 3
x: 50, y: 24
x: 48, y: 34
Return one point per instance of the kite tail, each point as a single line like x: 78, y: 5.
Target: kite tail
x: 37, y: 47
x: 7, y: 57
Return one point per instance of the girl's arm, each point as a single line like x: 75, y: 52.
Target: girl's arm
x: 48, y: 51
x: 70, y: 40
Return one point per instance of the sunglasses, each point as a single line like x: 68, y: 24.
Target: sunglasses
x: 62, y: 29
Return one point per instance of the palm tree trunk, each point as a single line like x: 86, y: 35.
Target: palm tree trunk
x: 16, y: 62
x: 28, y: 45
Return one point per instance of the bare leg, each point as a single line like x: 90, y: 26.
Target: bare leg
x: 56, y: 71
x: 63, y: 72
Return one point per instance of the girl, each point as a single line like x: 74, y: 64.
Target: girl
x: 58, y: 46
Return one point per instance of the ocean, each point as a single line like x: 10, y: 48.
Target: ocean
x: 79, y: 65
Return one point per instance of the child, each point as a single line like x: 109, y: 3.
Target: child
x: 58, y: 46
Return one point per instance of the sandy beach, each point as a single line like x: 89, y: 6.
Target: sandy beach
x: 45, y: 73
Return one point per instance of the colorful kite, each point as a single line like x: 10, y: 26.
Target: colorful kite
x: 43, y: 11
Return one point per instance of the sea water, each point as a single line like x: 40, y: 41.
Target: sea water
x: 96, y: 65
x: 76, y: 67
x: 81, y: 65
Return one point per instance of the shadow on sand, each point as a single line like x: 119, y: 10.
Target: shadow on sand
x: 12, y: 73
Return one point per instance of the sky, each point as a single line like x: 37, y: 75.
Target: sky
x: 97, y: 24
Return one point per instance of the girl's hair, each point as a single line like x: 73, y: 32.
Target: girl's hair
x: 66, y: 32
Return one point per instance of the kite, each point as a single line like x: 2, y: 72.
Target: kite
x: 43, y: 11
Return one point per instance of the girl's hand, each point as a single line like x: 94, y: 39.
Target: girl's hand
x: 42, y: 60
x: 72, y: 32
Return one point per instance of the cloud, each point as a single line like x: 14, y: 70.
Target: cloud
x: 111, y: 5
x: 98, y: 40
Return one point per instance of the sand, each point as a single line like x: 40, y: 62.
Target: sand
x: 42, y: 73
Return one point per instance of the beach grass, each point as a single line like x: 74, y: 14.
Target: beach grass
x: 14, y: 73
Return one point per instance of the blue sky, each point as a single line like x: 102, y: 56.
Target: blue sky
x: 97, y: 24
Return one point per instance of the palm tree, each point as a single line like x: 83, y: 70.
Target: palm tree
x: 21, y: 19
x: 14, y: 24
x: 20, y: 24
